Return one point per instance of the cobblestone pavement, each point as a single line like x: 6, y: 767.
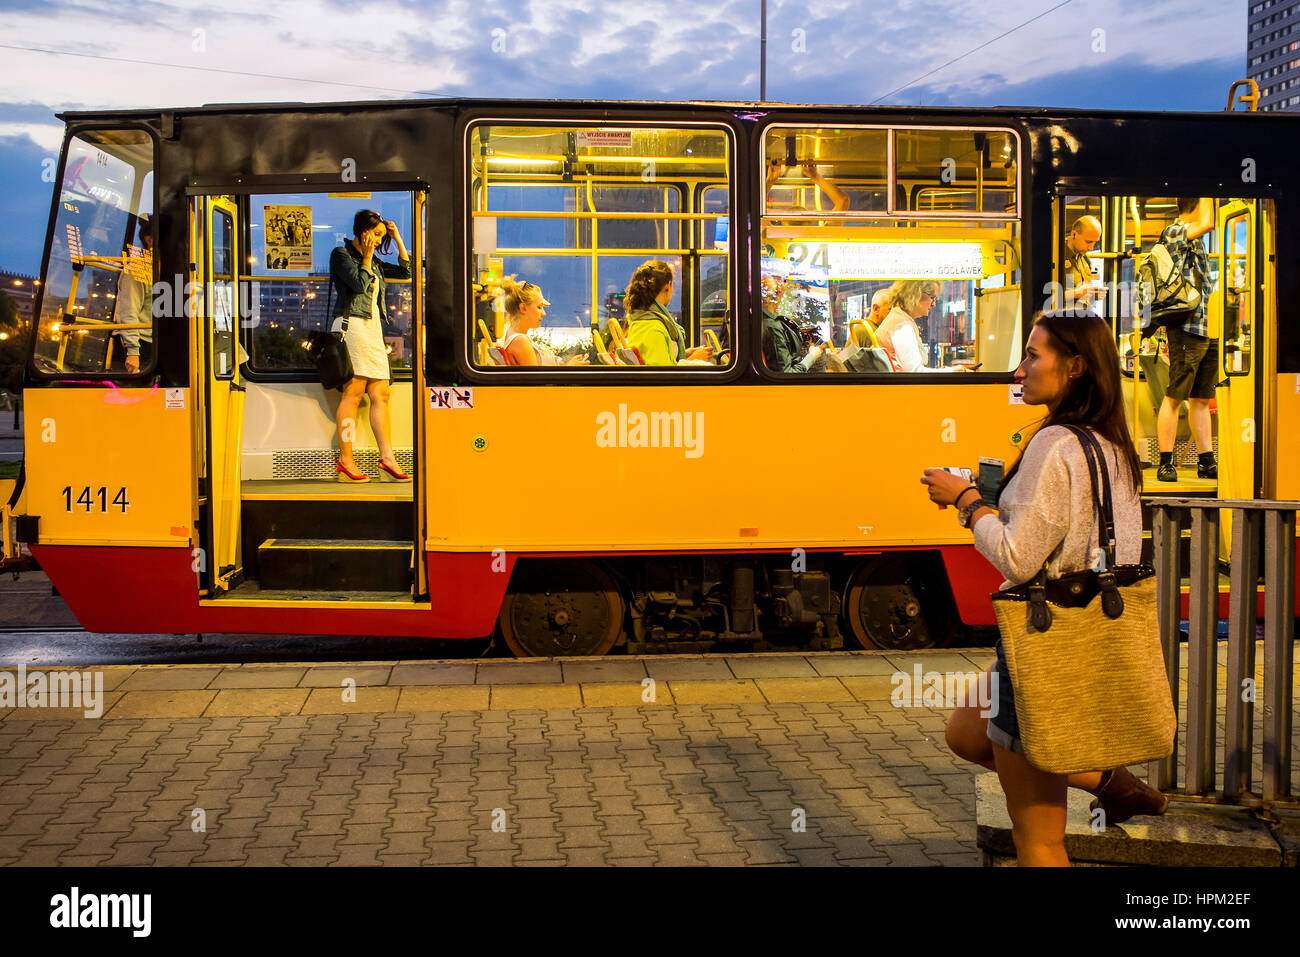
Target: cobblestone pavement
x: 739, y: 760
x: 746, y: 777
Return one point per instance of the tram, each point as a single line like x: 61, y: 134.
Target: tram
x: 585, y: 506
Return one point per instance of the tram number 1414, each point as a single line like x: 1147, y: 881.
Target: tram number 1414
x: 87, y: 499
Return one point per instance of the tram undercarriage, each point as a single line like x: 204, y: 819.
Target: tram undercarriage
x: 686, y: 605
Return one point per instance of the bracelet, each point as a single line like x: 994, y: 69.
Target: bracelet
x: 957, y: 500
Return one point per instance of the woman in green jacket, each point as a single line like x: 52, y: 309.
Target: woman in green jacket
x: 651, y: 328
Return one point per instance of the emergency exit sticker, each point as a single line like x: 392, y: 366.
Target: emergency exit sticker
x: 174, y: 399
x: 451, y: 397
x: 1016, y: 394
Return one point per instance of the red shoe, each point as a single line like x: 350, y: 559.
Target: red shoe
x: 392, y: 475
x: 345, y: 474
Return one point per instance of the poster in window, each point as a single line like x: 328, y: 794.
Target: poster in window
x: 288, y: 237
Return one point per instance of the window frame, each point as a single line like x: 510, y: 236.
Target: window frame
x: 891, y: 178
x: 759, y: 145
x: 245, y: 197
x: 39, y: 375
x: 726, y: 125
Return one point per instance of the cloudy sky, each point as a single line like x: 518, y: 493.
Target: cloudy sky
x: 86, y: 54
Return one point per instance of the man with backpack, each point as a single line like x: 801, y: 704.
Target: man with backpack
x: 1191, y: 358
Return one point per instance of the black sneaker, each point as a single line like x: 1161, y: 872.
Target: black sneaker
x: 1167, y: 473
x: 1210, y: 471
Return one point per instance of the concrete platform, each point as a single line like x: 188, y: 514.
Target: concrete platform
x: 1186, y: 835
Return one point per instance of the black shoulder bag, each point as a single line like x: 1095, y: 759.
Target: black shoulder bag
x: 329, y: 350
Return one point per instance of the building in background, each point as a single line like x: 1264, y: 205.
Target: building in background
x: 1273, y: 52
x: 22, y: 290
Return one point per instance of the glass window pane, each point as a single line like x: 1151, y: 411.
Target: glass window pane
x: 291, y: 238
x: 574, y: 212
x: 97, y: 312
x: 955, y: 170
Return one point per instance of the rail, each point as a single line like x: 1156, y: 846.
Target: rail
x: 1275, y: 521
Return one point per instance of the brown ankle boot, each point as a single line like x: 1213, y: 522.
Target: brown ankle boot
x: 1122, y: 795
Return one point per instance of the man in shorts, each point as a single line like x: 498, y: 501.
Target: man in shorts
x: 1192, y: 358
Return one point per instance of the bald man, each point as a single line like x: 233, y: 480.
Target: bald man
x: 1084, y: 235
x: 879, y: 307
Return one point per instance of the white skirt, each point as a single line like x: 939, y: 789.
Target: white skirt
x: 365, y: 339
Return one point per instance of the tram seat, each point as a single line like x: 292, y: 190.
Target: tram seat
x: 495, y: 356
x: 486, y: 346
x: 864, y: 337
x: 616, y: 334
x: 603, y: 356
x: 624, y: 354
x: 711, y: 339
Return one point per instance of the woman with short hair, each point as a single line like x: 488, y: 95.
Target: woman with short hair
x: 898, y: 332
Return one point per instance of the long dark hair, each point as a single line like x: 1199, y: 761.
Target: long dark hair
x: 1095, y: 398
x: 366, y: 220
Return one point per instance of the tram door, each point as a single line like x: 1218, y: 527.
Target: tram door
x: 1236, y: 306
x: 223, y: 393
x: 1114, y: 234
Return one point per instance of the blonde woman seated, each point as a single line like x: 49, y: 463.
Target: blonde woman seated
x: 651, y: 329
x: 525, y: 310
x: 899, y: 334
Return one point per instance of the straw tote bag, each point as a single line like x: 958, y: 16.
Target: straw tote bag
x: 1085, y: 658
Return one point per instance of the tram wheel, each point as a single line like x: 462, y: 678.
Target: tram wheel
x: 900, y: 602
x: 569, y: 607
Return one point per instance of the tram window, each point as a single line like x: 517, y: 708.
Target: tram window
x: 291, y: 237
x: 1238, y: 298
x: 933, y: 239
x: 956, y: 170
x: 97, y: 312
x: 575, y: 211
x: 714, y: 287
x: 222, y: 293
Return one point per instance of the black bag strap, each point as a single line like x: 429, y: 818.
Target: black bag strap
x: 329, y: 302
x: 1104, y: 504
x: 1112, y: 602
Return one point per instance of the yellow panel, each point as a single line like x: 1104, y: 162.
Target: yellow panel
x: 113, y: 439
x: 772, y: 466
x: 1288, y: 427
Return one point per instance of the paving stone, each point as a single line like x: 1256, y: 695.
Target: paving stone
x: 851, y: 663
x: 504, y: 672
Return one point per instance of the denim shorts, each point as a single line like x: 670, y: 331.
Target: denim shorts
x: 1003, y: 728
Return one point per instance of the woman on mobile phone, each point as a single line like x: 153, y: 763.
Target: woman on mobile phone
x: 358, y: 281
x: 1046, y: 515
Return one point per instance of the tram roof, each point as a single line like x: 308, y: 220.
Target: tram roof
x: 1044, y: 112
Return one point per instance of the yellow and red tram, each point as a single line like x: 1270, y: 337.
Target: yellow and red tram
x: 581, y: 507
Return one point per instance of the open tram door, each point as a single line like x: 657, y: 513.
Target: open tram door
x: 215, y: 239
x: 1236, y: 312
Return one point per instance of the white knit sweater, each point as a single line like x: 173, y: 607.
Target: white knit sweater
x: 1046, y: 512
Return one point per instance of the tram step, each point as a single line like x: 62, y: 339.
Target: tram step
x: 308, y: 564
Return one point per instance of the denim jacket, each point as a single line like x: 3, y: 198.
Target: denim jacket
x: 351, y: 281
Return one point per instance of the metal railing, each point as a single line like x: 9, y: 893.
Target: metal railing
x: 1276, y: 521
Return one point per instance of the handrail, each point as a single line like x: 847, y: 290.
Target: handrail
x: 1278, y: 521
